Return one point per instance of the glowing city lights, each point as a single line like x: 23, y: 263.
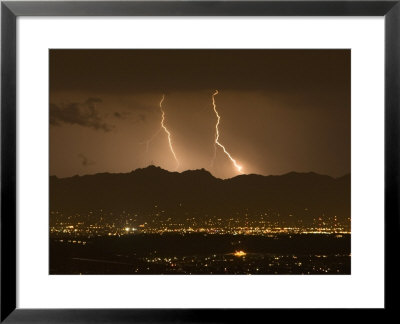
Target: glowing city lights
x: 239, y: 253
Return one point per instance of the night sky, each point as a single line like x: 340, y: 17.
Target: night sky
x: 281, y: 110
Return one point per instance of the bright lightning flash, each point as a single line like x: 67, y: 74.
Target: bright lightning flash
x: 237, y: 166
x: 167, y: 132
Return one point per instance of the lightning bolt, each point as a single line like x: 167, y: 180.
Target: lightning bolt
x: 216, y: 142
x: 151, y: 139
x: 167, y: 132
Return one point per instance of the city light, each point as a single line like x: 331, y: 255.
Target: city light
x: 239, y: 253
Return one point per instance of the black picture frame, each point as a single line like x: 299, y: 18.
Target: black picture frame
x: 10, y: 10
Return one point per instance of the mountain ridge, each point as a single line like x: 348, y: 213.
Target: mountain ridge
x: 205, y: 171
x: 147, y: 190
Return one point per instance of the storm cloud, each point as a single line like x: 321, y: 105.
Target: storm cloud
x: 83, y: 114
x: 313, y: 74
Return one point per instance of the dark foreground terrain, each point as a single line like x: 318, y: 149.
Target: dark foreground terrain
x: 202, y: 254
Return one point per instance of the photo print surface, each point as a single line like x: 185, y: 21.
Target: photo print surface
x: 199, y: 161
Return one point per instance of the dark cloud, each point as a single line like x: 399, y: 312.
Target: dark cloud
x: 122, y: 114
x: 85, y: 161
x: 84, y: 114
x: 125, y: 115
x: 313, y: 73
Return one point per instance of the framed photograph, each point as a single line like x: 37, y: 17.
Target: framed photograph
x: 197, y: 161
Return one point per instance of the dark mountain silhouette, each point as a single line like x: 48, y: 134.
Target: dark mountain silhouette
x: 196, y: 192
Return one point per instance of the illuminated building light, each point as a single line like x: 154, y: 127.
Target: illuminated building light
x: 239, y: 253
